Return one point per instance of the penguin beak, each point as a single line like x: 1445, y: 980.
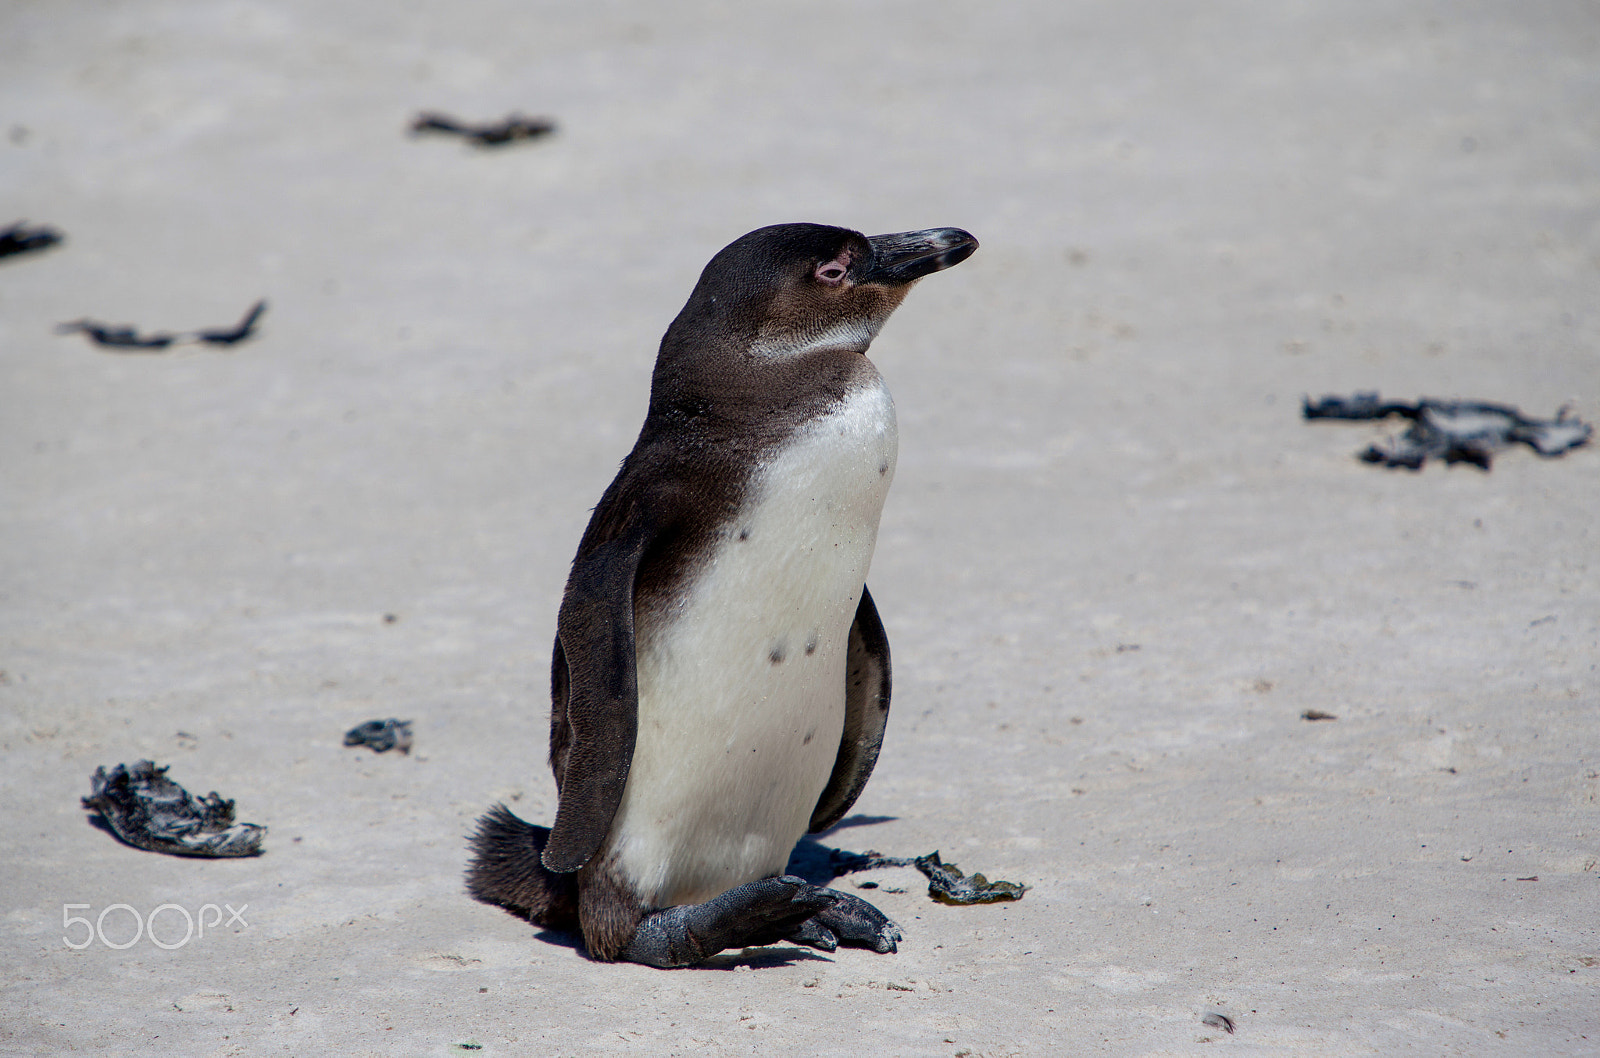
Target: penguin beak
x: 907, y: 256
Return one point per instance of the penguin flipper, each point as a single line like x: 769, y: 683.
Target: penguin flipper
x: 866, y: 713
x: 596, y: 699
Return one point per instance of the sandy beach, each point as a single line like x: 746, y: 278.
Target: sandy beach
x: 1117, y: 568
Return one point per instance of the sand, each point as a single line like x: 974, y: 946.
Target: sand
x: 1116, y: 567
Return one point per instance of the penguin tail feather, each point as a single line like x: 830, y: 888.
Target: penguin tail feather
x: 508, y: 871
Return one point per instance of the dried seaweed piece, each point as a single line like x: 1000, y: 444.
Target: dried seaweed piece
x: 232, y: 335
x: 125, y: 337
x: 1357, y: 407
x: 117, y: 337
x: 1552, y: 437
x: 946, y: 883
x: 1455, y: 431
x: 149, y: 811
x: 498, y: 134
x: 381, y: 735
x: 19, y: 238
x: 842, y: 861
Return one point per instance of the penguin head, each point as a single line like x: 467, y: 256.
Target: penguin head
x: 783, y: 291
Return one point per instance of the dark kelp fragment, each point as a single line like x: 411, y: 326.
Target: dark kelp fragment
x: 1457, y: 431
x: 245, y: 328
x: 496, y: 134
x: 381, y: 735
x: 946, y: 883
x: 125, y: 337
x: 149, y: 811
x: 116, y: 337
x: 19, y: 238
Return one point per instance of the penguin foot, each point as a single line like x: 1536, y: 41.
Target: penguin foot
x: 850, y: 921
x: 749, y: 915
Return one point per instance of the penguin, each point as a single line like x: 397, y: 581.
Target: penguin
x: 720, y: 679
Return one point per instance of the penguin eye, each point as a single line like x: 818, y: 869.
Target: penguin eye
x: 832, y: 273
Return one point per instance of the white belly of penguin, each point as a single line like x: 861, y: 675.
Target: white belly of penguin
x: 741, y: 691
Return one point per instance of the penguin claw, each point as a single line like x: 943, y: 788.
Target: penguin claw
x: 853, y: 922
x: 814, y: 934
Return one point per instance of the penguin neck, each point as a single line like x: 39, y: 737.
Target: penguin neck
x: 699, y: 384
